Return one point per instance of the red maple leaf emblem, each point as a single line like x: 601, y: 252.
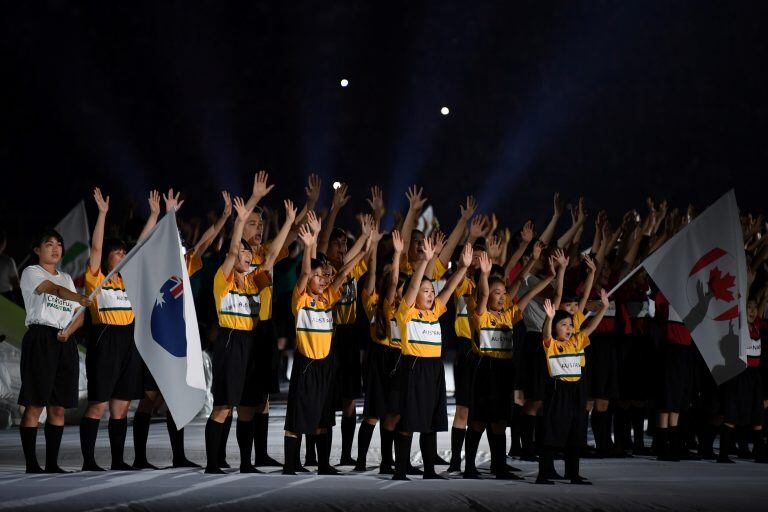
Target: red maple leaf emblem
x: 720, y: 285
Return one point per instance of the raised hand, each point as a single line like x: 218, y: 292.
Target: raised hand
x: 465, y: 260
x: 552, y: 263
x: 549, y: 308
x: 154, y: 202
x: 415, y: 201
x: 429, y: 249
x: 604, y: 298
x: 589, y: 263
x: 397, y: 242
x: 558, y: 205
x: 494, y: 247
x: 307, y: 236
x: 340, y: 197
x: 477, y: 226
x: 468, y: 210
x: 242, y: 211
x: 172, y: 201
x: 313, y: 189
x: 366, y: 224
x: 260, y: 184
x: 376, y: 202
x: 290, y: 211
x: 581, y: 211
x: 438, y: 240
x: 485, y: 263
x: 526, y: 234
x: 537, y: 248
x: 101, y: 203
x: 560, y: 259
x: 494, y: 223
x: 376, y: 235
x: 313, y: 221
x: 227, y: 204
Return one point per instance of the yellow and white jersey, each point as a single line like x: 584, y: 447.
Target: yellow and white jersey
x: 111, y: 305
x: 259, y: 256
x: 493, y: 332
x: 463, y: 298
x: 314, y: 322
x: 238, y: 306
x: 564, y: 357
x: 420, y: 332
x: 345, y: 312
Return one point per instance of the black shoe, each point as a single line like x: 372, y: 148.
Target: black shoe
x: 689, y: 455
x: 528, y: 457
x: 224, y: 465
x: 92, y: 466
x: 588, y: 452
x: 439, y: 461
x: 433, y: 476
x: 288, y: 472
x: 638, y: 450
x: 55, y: 469
x: 578, y: 480
x: 359, y: 468
x: 214, y: 471
x: 454, y: 468
x: 300, y: 469
x: 185, y: 463
x: 329, y: 471
x: 33, y: 470
x: 471, y: 474
x: 310, y: 461
x: 413, y: 470
x: 725, y: 460
x: 122, y: 466
x: 402, y: 478
x: 386, y: 469
x: 542, y: 480
x: 248, y: 468
x: 267, y: 461
x: 143, y: 464
x: 347, y: 461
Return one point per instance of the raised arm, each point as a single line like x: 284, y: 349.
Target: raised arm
x: 590, y: 326
x: 344, y: 271
x: 366, y: 228
x: 313, y: 194
x: 465, y: 260
x: 154, y: 213
x: 588, y: 283
x: 438, y: 242
x: 538, y: 288
x: 409, y: 297
x: 279, y: 241
x: 549, y: 231
x: 549, y: 310
x: 210, y: 234
x: 526, y: 235
x: 415, y: 204
x: 308, y: 238
x: 394, y: 272
x: 482, y: 287
x: 581, y: 218
x: 237, y: 234
x: 376, y: 202
x: 97, y: 240
x: 453, y: 239
x: 261, y: 188
x: 340, y: 198
x: 561, y: 263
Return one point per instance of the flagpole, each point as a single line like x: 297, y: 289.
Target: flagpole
x: 625, y: 279
x: 115, y: 270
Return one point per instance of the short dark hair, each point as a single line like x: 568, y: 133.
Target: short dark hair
x: 109, y: 245
x: 560, y: 315
x: 338, y: 234
x: 46, y: 235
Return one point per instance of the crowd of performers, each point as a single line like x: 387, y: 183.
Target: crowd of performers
x: 542, y: 351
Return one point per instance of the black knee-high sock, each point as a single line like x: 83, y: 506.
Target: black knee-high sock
x: 387, y: 442
x: 291, y: 453
x: 526, y: 434
x: 427, y: 444
x: 586, y: 430
x: 348, y: 424
x: 118, y: 429
x: 311, y: 454
x: 675, y: 445
x: 89, y: 429
x: 244, y: 434
x: 28, y: 445
x: 621, y: 428
x: 402, y: 454
x: 364, y: 435
x: 598, y: 429
x: 707, y: 434
x: 140, y: 435
x: 297, y: 459
x: 661, y: 439
x: 498, y: 446
x: 726, y: 436
x: 323, y: 452
x: 52, y: 443
x: 514, y: 431
x: 222, y: 456
x: 176, y: 436
x: 608, y: 429
x: 538, y: 439
x: 457, y: 440
x: 638, y: 427
x: 471, y: 444
x: 213, y: 431
x: 546, y: 462
x: 260, y: 435
x: 571, y: 463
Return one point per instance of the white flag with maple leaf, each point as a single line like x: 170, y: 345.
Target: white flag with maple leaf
x: 702, y: 271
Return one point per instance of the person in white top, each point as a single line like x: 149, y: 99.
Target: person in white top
x: 49, y: 360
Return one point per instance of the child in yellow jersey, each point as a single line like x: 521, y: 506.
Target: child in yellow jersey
x: 564, y: 402
x: 493, y: 322
x: 309, y: 409
x: 236, y: 294
x: 113, y: 365
x: 384, y: 352
x: 420, y: 372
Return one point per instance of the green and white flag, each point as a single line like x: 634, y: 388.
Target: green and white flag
x: 77, y: 244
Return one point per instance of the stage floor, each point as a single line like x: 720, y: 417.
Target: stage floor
x: 628, y: 484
